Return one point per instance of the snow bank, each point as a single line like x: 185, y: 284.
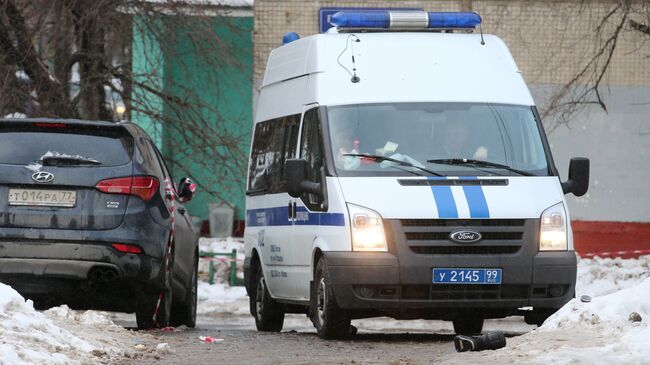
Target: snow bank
x: 57, y: 336
x: 220, y: 299
x: 619, y: 288
x: 28, y: 337
x: 600, y: 331
x: 599, y: 276
x: 610, y: 315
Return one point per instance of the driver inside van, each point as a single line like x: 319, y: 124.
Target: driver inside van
x: 344, y: 144
x: 456, y: 143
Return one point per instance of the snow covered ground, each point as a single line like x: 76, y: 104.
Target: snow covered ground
x: 611, y: 329
x: 59, y: 335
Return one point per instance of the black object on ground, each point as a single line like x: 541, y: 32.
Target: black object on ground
x: 488, y: 341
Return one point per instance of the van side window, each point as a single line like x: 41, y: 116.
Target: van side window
x: 311, y: 147
x: 274, y: 141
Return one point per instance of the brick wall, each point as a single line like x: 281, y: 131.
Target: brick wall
x: 550, y: 40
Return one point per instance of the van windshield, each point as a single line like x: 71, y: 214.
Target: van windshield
x: 451, y: 139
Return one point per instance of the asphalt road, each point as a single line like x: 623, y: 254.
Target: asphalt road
x: 379, y: 341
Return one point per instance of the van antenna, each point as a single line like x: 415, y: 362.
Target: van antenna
x: 480, y: 24
x: 353, y: 74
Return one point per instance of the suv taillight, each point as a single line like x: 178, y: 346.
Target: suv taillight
x: 144, y: 187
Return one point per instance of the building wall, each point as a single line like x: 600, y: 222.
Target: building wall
x: 551, y: 41
x: 221, y: 82
x: 147, y: 58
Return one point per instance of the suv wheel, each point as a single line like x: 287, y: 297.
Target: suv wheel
x: 185, y: 312
x: 154, y: 310
x: 331, y: 322
x: 269, y: 315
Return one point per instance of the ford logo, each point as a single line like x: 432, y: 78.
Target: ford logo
x: 42, y: 177
x: 465, y: 236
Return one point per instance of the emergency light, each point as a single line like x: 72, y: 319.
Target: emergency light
x: 386, y: 19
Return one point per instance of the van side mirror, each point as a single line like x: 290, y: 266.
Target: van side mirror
x: 186, y: 189
x: 297, y: 184
x: 578, y: 181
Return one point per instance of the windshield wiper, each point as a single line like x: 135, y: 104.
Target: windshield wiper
x: 380, y: 158
x: 68, y: 161
x: 478, y: 163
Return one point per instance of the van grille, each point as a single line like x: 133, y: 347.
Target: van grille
x: 485, y: 236
x: 431, y: 236
x: 462, y: 222
x: 465, y: 250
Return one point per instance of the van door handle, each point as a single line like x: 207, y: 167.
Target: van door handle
x: 290, y: 211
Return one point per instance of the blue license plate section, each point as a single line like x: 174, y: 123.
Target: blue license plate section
x: 467, y: 276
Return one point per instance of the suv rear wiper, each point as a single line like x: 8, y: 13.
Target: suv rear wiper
x: 68, y: 161
x: 479, y: 163
x: 380, y: 158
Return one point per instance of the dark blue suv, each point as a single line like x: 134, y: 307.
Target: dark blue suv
x: 90, y: 217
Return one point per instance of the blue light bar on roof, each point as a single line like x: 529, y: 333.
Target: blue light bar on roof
x: 361, y: 19
x: 405, y: 19
x: 454, y: 20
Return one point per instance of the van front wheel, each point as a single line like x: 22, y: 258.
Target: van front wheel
x: 269, y: 316
x: 331, y: 322
x: 470, y: 325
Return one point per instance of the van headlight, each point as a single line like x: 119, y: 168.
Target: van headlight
x: 553, y: 229
x: 367, y: 230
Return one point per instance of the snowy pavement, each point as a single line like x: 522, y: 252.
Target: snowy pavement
x: 612, y: 328
x: 60, y: 335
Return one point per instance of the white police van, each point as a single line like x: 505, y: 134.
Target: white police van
x: 399, y: 168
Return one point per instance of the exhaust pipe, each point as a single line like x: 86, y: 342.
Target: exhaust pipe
x: 102, y: 274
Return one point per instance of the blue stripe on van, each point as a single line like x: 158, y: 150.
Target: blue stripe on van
x: 444, y: 200
x: 279, y: 216
x: 475, y: 196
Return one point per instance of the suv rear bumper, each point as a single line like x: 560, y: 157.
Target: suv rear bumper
x: 59, y: 270
x: 370, y: 284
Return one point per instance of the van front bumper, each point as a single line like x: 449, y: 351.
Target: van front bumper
x: 370, y: 284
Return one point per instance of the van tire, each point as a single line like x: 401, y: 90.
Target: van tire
x: 539, y: 316
x: 330, y: 320
x: 469, y: 325
x: 269, y: 315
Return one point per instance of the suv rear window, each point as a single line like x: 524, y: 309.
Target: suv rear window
x: 25, y: 144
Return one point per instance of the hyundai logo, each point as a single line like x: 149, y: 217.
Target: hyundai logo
x: 42, y: 177
x: 465, y: 236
